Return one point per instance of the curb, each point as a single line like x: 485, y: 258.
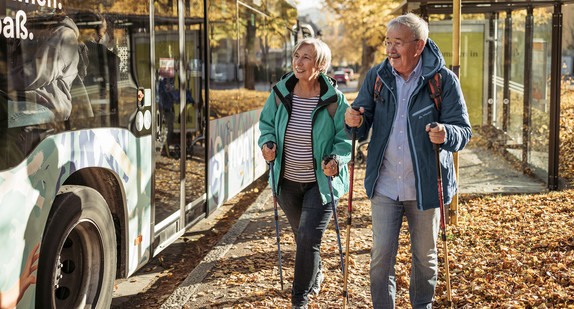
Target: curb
x: 187, y: 288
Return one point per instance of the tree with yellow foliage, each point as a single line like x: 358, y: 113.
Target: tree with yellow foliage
x: 360, y: 27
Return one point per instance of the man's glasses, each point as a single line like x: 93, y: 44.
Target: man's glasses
x: 397, y: 44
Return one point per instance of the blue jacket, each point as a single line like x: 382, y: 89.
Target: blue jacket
x: 380, y: 116
x: 328, y: 132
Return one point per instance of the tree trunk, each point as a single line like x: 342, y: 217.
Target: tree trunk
x: 366, y: 62
x: 249, y: 56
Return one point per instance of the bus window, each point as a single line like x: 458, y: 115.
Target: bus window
x: 47, y: 72
x: 66, y: 71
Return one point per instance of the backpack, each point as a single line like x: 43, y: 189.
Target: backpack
x: 435, y: 85
x: 331, y: 108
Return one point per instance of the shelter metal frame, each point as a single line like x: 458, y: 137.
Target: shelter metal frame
x: 494, y: 7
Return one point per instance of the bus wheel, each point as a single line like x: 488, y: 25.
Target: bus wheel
x: 77, y: 263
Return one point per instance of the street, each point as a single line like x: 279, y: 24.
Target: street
x: 349, y: 87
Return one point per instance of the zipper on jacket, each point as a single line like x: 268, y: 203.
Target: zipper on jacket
x: 280, y: 180
x: 320, y: 107
x: 412, y: 145
x: 382, y: 156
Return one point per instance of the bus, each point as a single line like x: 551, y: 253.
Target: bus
x: 122, y: 124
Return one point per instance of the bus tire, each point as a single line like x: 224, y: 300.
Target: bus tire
x: 77, y: 263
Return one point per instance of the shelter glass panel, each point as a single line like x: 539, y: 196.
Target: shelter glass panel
x: 539, y: 106
x: 516, y: 85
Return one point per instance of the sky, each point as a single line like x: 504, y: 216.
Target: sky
x: 305, y: 4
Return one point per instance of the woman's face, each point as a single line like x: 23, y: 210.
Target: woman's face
x: 304, y: 63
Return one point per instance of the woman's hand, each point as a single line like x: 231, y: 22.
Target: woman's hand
x: 269, y: 154
x: 331, y: 168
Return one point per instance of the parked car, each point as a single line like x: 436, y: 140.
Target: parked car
x: 341, y: 77
x: 349, y: 72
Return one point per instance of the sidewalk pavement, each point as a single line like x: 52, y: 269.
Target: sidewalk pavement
x: 482, y: 171
x: 195, y: 284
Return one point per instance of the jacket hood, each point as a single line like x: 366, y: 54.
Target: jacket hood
x: 432, y: 61
x: 68, y: 22
x: 288, y: 81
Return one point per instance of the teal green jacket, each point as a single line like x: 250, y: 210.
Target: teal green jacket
x: 329, y: 137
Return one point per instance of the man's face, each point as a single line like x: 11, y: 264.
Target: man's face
x: 403, y: 49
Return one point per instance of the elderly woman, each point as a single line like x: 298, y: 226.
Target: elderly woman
x: 304, y: 119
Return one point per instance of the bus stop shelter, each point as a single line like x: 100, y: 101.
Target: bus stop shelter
x: 523, y: 69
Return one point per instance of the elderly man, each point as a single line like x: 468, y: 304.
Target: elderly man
x: 401, y: 179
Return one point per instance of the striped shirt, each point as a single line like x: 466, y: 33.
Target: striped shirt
x: 298, y: 141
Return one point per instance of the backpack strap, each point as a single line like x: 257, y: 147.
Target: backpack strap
x: 377, y: 90
x: 435, y: 84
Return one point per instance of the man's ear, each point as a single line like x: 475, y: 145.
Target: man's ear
x: 420, y: 46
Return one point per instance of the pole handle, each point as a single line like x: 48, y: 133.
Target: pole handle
x: 354, y: 129
x: 269, y: 145
x: 436, y: 147
x: 328, y: 158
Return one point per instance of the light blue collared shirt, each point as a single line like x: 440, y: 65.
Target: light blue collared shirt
x: 397, y: 178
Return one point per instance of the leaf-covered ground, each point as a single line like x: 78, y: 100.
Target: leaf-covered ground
x: 513, y: 251
x: 567, y: 134
x: 507, y: 251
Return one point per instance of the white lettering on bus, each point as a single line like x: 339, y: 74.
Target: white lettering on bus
x: 15, y: 27
x: 42, y: 3
x: 8, y: 27
x: 21, y: 30
x: 11, y: 28
x: 33, y: 1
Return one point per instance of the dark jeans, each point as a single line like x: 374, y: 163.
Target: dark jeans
x: 308, y: 217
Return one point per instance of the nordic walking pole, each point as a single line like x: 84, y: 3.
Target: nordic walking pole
x: 350, y: 210
x: 270, y: 146
x: 334, y: 207
x: 436, y: 148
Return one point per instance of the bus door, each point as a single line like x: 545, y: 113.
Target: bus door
x: 180, y: 162
x: 195, y: 119
x: 168, y: 203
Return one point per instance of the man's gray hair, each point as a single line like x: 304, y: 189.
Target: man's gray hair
x: 418, y: 26
x: 322, y: 52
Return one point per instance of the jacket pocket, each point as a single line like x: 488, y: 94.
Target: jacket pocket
x: 424, y: 112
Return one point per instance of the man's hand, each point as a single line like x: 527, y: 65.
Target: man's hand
x: 269, y: 153
x: 437, y: 133
x: 354, y: 118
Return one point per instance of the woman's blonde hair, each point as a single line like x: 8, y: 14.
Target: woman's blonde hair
x: 322, y: 52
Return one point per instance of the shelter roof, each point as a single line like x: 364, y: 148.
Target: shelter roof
x: 472, y: 6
